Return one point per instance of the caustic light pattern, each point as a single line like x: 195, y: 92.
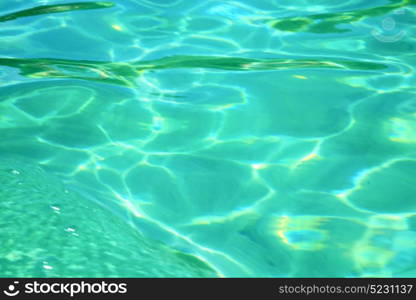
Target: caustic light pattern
x: 176, y: 138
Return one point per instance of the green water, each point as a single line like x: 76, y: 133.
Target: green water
x: 179, y: 138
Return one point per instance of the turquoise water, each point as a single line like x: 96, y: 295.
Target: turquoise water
x: 179, y: 138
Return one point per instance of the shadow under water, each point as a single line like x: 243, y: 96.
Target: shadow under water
x: 52, y: 9
x: 124, y: 73
x: 328, y: 22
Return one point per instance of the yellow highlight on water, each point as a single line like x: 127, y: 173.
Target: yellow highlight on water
x: 117, y: 27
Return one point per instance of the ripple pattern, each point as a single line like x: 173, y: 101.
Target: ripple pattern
x: 267, y: 138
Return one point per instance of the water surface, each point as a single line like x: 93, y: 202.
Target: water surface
x: 253, y: 138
